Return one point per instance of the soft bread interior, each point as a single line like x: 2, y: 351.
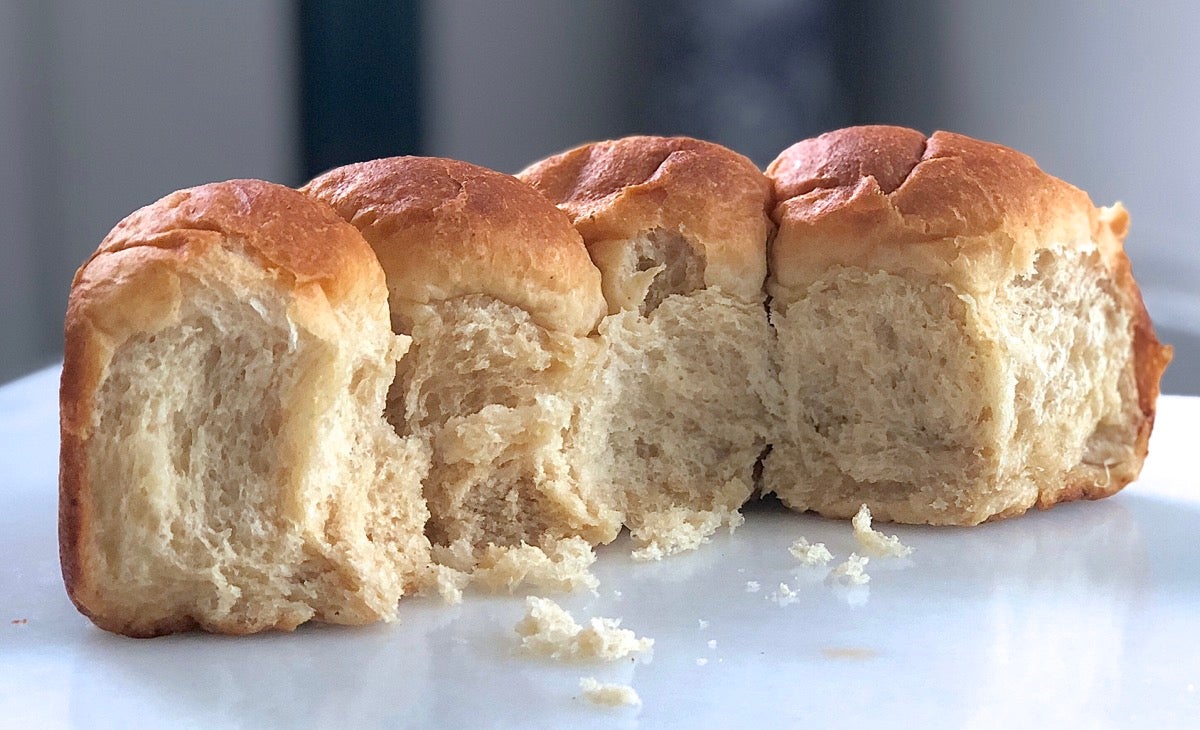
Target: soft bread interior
x: 508, y: 407
x: 242, y: 474
x: 1076, y: 400
x: 692, y: 392
x: 941, y: 407
x: 639, y: 273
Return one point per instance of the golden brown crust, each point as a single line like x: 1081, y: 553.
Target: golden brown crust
x: 444, y: 229
x: 620, y: 189
x: 886, y: 197
x: 276, y: 223
x: 130, y: 285
x: 1150, y: 360
x: 114, y: 295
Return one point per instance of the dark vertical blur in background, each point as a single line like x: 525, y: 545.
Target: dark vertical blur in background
x: 753, y: 76
x: 106, y: 105
x: 360, y: 81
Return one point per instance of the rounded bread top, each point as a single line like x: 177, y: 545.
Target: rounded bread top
x: 715, y: 198
x: 444, y: 229
x: 889, y: 198
x: 285, y: 231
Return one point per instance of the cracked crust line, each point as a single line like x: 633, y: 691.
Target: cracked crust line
x: 594, y: 168
x: 922, y: 158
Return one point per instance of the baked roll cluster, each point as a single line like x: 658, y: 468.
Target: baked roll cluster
x: 283, y: 405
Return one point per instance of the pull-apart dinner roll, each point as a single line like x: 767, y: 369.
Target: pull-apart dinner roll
x: 497, y: 291
x: 225, y: 460
x: 678, y: 228
x: 960, y: 334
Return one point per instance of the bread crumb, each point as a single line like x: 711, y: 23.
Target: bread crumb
x: 874, y: 542
x: 712, y: 643
x: 851, y: 572
x: 752, y: 586
x: 678, y: 530
x: 810, y: 553
x: 701, y: 661
x: 560, y: 565
x: 448, y: 583
x: 548, y: 630
x: 703, y: 623
x: 609, y: 695
x: 459, y: 555
x: 784, y: 595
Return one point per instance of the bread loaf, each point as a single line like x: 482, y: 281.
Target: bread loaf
x: 678, y: 228
x: 952, y: 336
x: 499, y: 296
x: 225, y: 460
x: 960, y: 335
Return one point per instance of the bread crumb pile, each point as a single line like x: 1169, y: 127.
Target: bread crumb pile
x: 609, y: 695
x: 852, y: 571
x: 679, y: 529
x: 810, y: 554
x: 548, y: 630
x: 560, y: 566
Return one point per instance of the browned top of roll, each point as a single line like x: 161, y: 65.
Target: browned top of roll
x: 443, y: 229
x: 717, y: 199
x: 284, y: 230
x: 888, y: 196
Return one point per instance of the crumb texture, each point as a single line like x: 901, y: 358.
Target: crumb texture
x: 549, y: 631
x: 852, y: 571
x: 509, y: 409
x: 679, y: 529
x: 693, y: 399
x: 937, y: 405
x: 561, y: 566
x: 810, y: 554
x: 609, y: 695
x: 874, y: 542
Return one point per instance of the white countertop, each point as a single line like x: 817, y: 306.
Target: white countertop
x: 1084, y: 616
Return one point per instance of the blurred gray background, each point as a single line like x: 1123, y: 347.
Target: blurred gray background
x: 106, y: 106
